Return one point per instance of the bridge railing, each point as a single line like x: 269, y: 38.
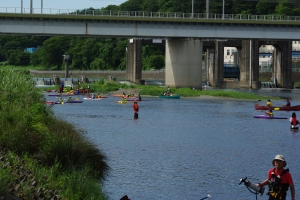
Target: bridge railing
x: 146, y: 14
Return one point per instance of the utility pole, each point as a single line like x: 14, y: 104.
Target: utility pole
x: 31, y: 6
x: 192, y: 8
x: 223, y: 9
x: 207, y: 9
x: 21, y: 6
x: 41, y: 6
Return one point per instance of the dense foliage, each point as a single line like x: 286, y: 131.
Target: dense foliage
x: 110, y: 53
x: 47, y: 145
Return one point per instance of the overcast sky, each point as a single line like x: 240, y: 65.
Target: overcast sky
x: 61, y: 4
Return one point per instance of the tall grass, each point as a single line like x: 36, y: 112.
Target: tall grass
x: 50, y: 145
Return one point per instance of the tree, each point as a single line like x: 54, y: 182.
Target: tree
x: 131, y: 5
x: 53, y: 50
x: 264, y: 8
x: 17, y: 57
x: 150, y: 5
x: 285, y: 8
x: 23, y: 58
x: 2, y: 55
x: 36, y: 58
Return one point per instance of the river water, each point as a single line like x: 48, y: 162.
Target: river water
x: 186, y: 148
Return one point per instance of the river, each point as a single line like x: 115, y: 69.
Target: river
x: 186, y: 148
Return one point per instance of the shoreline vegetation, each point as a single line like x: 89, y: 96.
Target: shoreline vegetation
x: 114, y: 87
x: 44, y: 157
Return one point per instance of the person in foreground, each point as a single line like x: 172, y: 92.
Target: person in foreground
x: 279, y: 180
x: 135, y: 109
x: 294, y: 120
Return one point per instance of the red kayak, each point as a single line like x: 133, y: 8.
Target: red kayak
x: 283, y: 108
x: 49, y: 102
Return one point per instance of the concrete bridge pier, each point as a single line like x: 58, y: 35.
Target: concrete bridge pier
x: 282, y: 69
x: 216, y: 65
x: 249, y: 65
x: 184, y: 62
x: 134, y: 61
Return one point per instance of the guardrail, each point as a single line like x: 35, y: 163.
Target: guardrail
x: 146, y: 14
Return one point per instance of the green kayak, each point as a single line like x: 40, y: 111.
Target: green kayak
x: 171, y: 96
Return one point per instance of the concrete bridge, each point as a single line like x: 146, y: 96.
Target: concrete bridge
x: 187, y: 37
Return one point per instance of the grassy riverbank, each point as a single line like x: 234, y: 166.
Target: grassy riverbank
x: 42, y: 156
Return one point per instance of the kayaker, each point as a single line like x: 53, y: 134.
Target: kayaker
x: 269, y: 113
x: 269, y: 103
x: 61, y: 87
x: 279, y: 180
x: 168, y: 91
x: 294, y: 120
x: 60, y: 100
x: 288, y: 103
x: 88, y: 88
x: 140, y: 98
x: 69, y: 99
x: 135, y: 109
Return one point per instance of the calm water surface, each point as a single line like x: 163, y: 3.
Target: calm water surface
x: 186, y: 148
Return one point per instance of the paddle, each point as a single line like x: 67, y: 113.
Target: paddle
x: 208, y: 196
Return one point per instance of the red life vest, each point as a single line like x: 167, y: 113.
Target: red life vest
x: 294, y: 120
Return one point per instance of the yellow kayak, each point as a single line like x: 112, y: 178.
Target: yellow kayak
x: 122, y: 102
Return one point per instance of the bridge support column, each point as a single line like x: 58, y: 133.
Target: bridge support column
x: 134, y: 61
x: 282, y: 60
x: 255, y: 84
x: 184, y: 62
x: 216, y: 65
x: 249, y: 76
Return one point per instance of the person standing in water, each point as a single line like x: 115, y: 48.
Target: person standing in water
x: 279, y: 180
x: 135, y: 109
x: 294, y: 120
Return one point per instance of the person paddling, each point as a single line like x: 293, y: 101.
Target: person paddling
x: 269, y: 113
x: 269, y: 103
x: 135, y: 109
x: 288, y: 103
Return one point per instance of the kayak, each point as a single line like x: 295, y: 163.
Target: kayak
x: 283, y: 108
x: 101, y: 97
x: 59, y: 95
x: 122, y: 102
x: 49, y: 102
x: 171, y: 96
x: 74, y: 101
x: 137, y: 100
x: 88, y: 98
x: 121, y: 95
x: 268, y: 117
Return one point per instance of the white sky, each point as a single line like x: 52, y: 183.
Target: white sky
x: 61, y: 4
